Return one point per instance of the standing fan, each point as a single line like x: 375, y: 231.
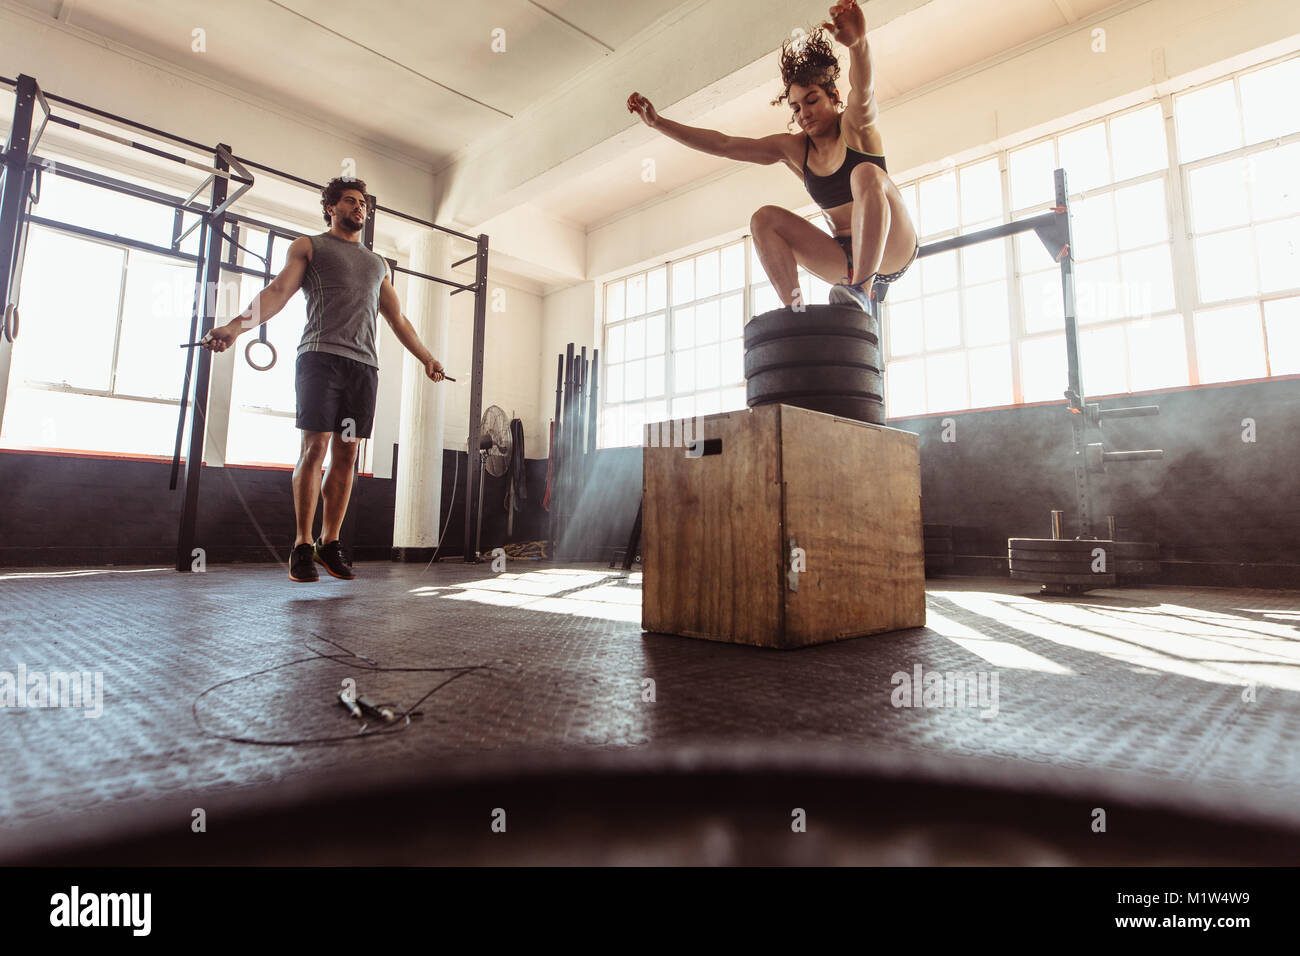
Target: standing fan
x: 493, y: 457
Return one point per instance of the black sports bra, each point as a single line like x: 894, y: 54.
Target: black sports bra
x: 835, y: 189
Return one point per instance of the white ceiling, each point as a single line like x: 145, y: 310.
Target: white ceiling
x: 420, y: 78
x: 924, y: 45
x: 417, y: 76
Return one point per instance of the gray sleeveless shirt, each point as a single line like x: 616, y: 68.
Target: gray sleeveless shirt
x: 342, y: 287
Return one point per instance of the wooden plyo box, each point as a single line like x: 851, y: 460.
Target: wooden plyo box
x: 781, y: 527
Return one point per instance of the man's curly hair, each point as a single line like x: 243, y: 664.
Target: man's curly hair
x: 333, y: 192
x: 809, y: 60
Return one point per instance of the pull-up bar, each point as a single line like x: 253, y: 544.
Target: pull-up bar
x: 117, y: 119
x: 90, y: 178
x: 239, y: 175
x: 144, y: 147
x: 1047, y: 224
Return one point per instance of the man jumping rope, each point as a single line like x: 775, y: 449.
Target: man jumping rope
x: 840, y: 157
x: 337, y: 375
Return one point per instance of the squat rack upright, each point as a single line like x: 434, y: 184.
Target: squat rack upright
x: 1089, y: 456
x: 21, y: 170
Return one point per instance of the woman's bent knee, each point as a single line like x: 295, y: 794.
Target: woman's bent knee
x: 867, y: 176
x: 765, y: 218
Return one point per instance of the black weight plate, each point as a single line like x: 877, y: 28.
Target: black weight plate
x: 779, y: 384
x: 1044, y: 577
x: 1061, y: 557
x: 1055, y: 567
x: 812, y: 350
x: 814, y: 320
x: 1119, y: 566
x: 1048, y: 544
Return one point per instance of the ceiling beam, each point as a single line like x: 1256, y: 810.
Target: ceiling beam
x: 1066, y: 10
x: 698, y: 57
x: 387, y: 59
x: 576, y: 29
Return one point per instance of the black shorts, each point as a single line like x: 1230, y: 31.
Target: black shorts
x: 334, y: 392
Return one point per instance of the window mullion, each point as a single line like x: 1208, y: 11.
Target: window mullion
x: 121, y: 310
x: 1014, y: 298
x: 1182, y: 252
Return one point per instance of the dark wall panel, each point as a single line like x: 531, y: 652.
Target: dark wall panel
x: 1224, y: 510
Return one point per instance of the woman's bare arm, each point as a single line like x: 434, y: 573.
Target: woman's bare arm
x: 764, y: 151
x: 849, y: 27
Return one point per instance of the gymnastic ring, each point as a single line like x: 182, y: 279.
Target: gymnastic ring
x: 248, y: 357
x: 11, y: 322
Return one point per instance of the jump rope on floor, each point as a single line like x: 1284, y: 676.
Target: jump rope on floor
x: 351, y: 659
x: 345, y: 657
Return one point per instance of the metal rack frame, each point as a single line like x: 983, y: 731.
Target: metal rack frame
x: 21, y: 170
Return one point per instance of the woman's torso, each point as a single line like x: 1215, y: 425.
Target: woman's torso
x: 825, y: 173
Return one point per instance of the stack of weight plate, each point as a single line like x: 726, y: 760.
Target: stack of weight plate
x: 825, y: 358
x: 938, y: 549
x: 1081, y: 564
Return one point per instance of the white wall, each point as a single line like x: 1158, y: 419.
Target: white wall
x: 1152, y: 47
x: 511, y: 365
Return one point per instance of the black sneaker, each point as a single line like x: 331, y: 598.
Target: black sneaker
x: 301, y: 567
x: 331, y: 557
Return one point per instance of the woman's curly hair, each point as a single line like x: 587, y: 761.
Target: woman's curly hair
x: 809, y: 60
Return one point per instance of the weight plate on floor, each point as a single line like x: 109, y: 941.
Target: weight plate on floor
x: 1050, y: 544
x: 1045, y: 577
x: 1062, y: 557
x: 1055, y: 567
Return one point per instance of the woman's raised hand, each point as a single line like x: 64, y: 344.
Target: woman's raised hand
x: 636, y: 103
x: 848, y: 25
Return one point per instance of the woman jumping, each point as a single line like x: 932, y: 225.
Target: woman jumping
x: 840, y: 156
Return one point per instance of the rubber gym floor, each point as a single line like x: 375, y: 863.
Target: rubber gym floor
x: 219, y: 687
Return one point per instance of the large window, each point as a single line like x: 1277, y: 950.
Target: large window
x: 263, y: 404
x: 673, y: 343
x: 674, y: 337
x: 97, y: 366
x: 1186, y: 248
x: 947, y: 322
x: 1239, y: 145
x: 960, y: 335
